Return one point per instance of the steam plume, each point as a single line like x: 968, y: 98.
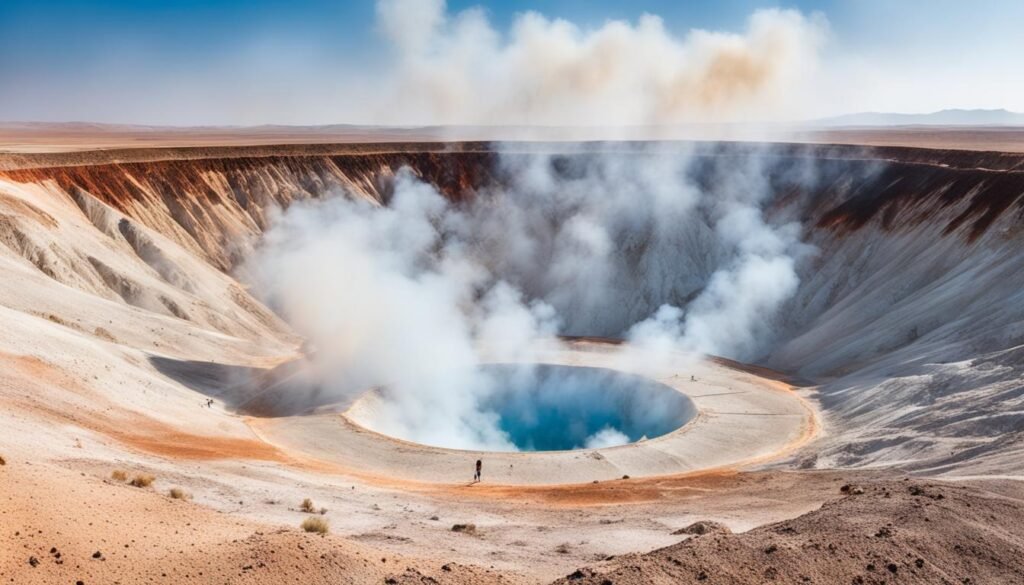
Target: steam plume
x: 415, y: 295
x: 458, y: 69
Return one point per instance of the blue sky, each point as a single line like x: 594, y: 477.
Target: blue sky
x: 275, y: 61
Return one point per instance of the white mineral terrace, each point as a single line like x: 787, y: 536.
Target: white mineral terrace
x: 742, y: 420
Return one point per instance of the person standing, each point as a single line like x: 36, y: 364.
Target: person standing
x: 479, y: 467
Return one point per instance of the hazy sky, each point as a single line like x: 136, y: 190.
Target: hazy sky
x: 317, y: 61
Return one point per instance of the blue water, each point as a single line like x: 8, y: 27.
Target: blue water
x: 555, y: 408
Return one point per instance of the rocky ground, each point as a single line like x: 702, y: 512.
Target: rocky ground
x: 64, y: 527
x: 61, y: 526
x: 906, y: 531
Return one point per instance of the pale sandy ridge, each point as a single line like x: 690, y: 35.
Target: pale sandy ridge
x: 742, y: 419
x: 70, y: 138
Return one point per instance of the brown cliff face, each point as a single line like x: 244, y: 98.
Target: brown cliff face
x: 216, y: 206
x: 211, y: 206
x: 212, y: 197
x: 903, y: 194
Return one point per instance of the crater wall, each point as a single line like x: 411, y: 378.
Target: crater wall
x: 909, y: 315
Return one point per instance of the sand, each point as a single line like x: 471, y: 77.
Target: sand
x: 742, y: 419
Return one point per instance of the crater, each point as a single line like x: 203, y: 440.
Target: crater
x: 542, y: 407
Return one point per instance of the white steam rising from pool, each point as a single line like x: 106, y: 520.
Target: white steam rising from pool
x: 416, y: 294
x: 606, y: 437
x: 543, y: 407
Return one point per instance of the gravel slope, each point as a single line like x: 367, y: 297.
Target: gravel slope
x: 908, y: 531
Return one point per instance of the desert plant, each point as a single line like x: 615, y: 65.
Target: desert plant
x: 142, y: 480
x: 179, y: 494
x: 119, y: 475
x: 315, y: 524
x: 307, y: 506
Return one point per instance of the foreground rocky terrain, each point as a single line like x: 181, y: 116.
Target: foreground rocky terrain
x: 867, y: 530
x: 907, y: 531
x: 72, y: 529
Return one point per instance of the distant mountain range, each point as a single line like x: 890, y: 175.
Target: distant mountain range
x: 954, y: 117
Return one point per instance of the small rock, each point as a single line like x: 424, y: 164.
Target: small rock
x: 97, y: 555
x: 33, y: 561
x: 464, y: 528
x: 704, y: 527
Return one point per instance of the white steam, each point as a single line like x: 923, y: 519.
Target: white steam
x: 606, y: 437
x: 386, y: 299
x: 733, y: 314
x: 458, y: 69
x: 415, y: 295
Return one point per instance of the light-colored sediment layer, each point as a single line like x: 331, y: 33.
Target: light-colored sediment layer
x: 742, y: 419
x: 73, y: 137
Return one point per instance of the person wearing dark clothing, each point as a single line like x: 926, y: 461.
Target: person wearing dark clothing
x: 479, y: 466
